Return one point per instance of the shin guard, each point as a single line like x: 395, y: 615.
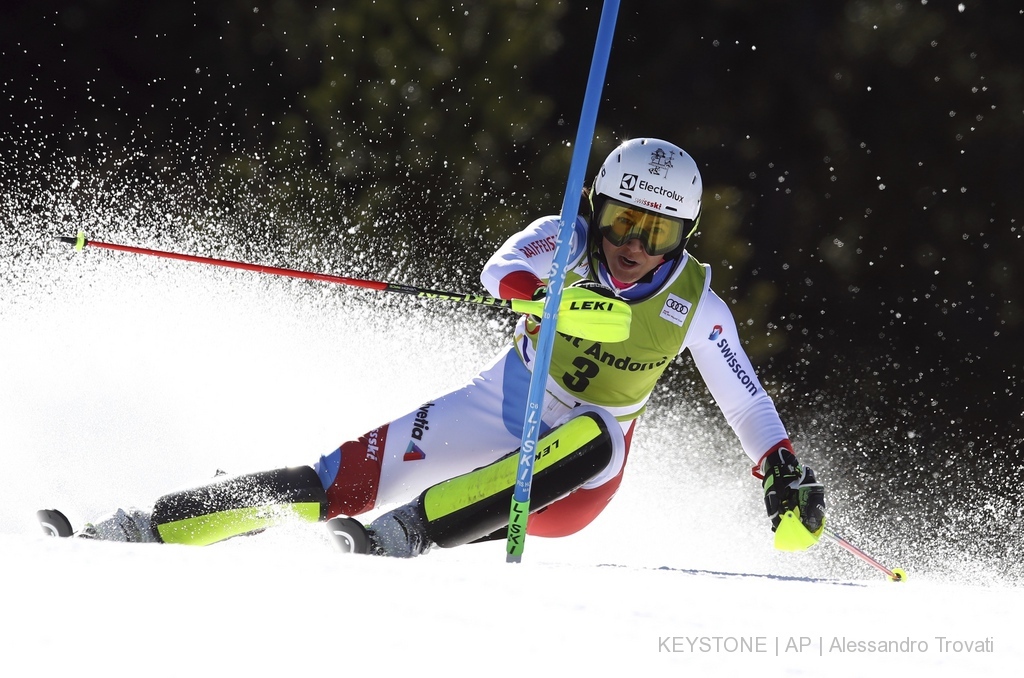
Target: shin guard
x: 238, y: 505
x: 476, y: 504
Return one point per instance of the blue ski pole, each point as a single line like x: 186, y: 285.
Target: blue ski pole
x: 520, y: 509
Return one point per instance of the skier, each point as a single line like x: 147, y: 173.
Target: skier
x: 456, y: 456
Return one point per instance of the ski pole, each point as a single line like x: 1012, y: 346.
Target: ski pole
x: 610, y: 324
x: 80, y: 242
x: 519, y: 509
x: 895, y: 574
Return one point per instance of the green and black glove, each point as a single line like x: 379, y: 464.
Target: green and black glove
x: 588, y: 310
x: 794, y: 500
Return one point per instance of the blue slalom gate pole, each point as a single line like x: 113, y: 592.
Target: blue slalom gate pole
x: 520, y: 509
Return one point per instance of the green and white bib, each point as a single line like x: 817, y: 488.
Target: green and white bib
x: 620, y: 376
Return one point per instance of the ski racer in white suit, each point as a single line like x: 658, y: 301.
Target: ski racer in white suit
x: 644, y: 204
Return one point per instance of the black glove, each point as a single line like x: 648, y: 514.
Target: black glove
x: 788, y: 485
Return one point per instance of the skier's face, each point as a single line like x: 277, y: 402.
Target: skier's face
x: 629, y: 261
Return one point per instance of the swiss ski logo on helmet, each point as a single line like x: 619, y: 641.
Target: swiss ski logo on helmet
x: 661, y: 162
x: 628, y: 182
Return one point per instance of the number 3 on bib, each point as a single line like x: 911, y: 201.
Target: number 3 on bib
x: 587, y: 370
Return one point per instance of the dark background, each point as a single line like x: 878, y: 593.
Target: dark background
x: 861, y: 160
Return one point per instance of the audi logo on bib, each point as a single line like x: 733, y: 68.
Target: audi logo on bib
x: 676, y: 309
x: 677, y: 305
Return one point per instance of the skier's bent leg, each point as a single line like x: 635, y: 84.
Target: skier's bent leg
x: 476, y: 505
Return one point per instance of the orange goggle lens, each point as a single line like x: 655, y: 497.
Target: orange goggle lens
x: 620, y: 223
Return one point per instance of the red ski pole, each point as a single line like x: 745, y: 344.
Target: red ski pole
x: 81, y: 242
x: 608, y: 321
x: 895, y: 574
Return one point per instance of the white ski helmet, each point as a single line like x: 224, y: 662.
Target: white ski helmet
x: 654, y: 176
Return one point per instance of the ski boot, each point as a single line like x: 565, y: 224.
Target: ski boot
x: 132, y: 525
x: 400, y: 533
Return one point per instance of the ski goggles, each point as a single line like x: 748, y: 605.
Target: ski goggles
x: 659, y: 234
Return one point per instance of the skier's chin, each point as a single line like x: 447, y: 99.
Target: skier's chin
x: 629, y: 271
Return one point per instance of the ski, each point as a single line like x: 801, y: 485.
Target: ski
x: 54, y: 523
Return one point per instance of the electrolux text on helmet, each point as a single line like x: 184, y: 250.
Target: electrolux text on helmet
x: 645, y: 185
